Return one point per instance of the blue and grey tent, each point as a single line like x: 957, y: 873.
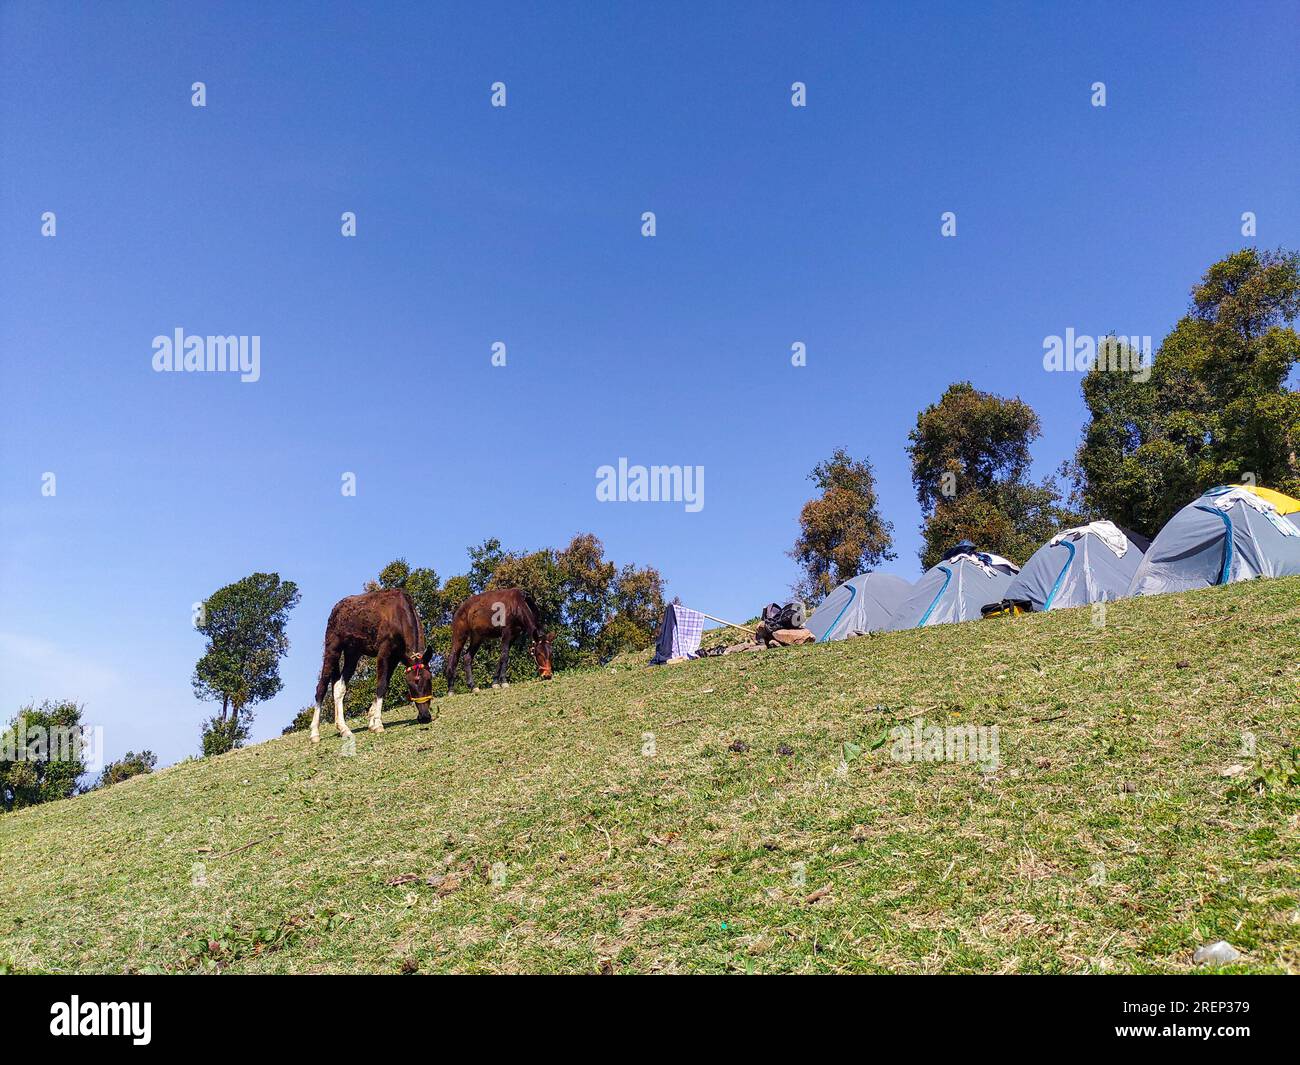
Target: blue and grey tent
x: 1233, y: 533
x: 865, y: 603
x: 1093, y: 563
x: 956, y: 589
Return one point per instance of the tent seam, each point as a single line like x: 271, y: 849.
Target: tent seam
x: 1226, y: 572
x: 853, y: 594
x: 930, y: 609
x: 1051, y: 596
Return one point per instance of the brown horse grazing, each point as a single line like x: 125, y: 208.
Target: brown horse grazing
x: 384, y: 625
x: 504, y: 612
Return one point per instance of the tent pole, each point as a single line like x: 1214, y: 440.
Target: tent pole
x: 729, y: 624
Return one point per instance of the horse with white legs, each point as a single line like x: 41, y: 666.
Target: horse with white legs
x: 385, y: 626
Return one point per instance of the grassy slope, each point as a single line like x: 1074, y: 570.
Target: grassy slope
x: 1106, y: 842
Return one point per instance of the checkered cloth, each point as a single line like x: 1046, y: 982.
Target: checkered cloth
x: 686, y: 636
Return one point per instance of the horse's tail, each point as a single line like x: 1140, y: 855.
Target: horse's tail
x: 329, y: 668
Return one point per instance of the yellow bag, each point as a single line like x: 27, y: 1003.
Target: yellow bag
x: 1007, y: 608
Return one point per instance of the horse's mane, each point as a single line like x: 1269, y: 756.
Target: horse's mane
x: 413, y: 618
x: 537, y: 611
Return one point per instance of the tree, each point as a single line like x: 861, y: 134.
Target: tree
x: 636, y: 606
x: 841, y: 532
x: 244, y: 623
x: 129, y: 765
x: 41, y: 755
x: 220, y: 735
x: 638, y: 599
x: 970, y: 464
x: 587, y: 585
x: 420, y: 583
x: 483, y: 562
x: 301, y: 721
x: 1215, y: 408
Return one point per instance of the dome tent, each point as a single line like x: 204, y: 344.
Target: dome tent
x: 1231, y: 533
x: 1091, y: 563
x: 865, y: 603
x: 956, y: 589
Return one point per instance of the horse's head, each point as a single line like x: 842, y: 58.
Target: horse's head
x: 542, y: 653
x: 419, y: 680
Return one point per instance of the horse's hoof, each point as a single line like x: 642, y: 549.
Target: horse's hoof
x: 377, y: 728
x: 315, y: 739
x: 505, y: 684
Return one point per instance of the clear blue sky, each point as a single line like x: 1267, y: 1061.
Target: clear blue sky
x: 522, y: 224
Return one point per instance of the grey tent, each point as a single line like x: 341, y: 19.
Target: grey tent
x: 865, y: 603
x: 955, y: 590
x: 1090, y: 564
x: 1229, y: 534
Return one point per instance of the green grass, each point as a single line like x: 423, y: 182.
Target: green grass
x: 526, y: 830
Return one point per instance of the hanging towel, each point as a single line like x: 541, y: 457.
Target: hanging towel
x: 1106, y: 531
x: 686, y: 637
x: 1226, y: 498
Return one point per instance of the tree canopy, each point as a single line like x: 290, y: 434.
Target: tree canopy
x: 1215, y: 408
x: 129, y: 765
x: 41, y: 755
x: 970, y: 456
x: 841, y: 531
x: 244, y: 623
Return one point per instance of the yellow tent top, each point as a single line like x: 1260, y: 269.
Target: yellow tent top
x: 1284, y: 504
